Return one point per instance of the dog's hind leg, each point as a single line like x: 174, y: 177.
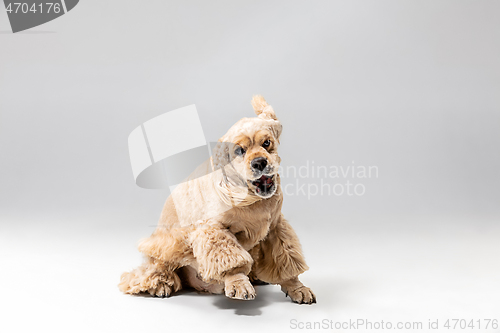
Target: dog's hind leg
x: 166, y: 251
x: 153, y: 277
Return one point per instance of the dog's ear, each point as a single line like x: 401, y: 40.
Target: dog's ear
x: 221, y: 154
x: 277, y: 128
x: 265, y: 111
x: 262, y: 109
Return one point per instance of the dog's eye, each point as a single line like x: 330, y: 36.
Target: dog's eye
x: 239, y: 151
x: 266, y: 144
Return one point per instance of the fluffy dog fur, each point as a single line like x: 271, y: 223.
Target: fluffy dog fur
x: 220, y: 232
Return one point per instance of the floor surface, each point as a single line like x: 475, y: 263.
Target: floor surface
x: 62, y: 275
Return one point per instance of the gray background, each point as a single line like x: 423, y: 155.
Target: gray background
x: 408, y: 86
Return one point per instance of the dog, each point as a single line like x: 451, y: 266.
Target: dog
x: 222, y: 229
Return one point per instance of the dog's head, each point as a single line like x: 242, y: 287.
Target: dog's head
x: 250, y: 150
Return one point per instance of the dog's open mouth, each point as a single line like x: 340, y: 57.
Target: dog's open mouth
x: 264, y: 185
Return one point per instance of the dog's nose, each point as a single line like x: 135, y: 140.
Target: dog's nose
x: 259, y: 163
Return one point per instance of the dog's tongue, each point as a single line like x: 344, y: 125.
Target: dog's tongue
x: 265, y: 180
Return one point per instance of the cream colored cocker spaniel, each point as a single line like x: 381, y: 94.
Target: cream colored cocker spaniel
x: 222, y: 228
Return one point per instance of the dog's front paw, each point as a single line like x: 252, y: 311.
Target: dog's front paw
x: 302, y: 295
x: 161, y: 290
x: 239, y: 287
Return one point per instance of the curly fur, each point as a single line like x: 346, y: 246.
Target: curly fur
x: 216, y: 231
